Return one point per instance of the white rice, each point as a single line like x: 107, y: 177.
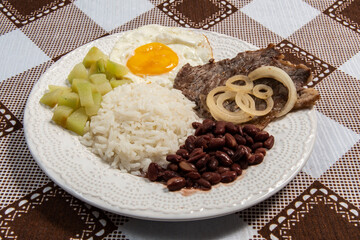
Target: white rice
x: 139, y: 124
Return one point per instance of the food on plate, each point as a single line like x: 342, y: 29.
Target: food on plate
x: 69, y: 99
x: 115, y: 83
x: 141, y: 109
x: 196, y: 82
x: 116, y: 70
x: 51, y: 97
x: 61, y: 114
x: 89, y: 81
x: 93, y: 56
x: 155, y: 53
x: 77, y: 120
x: 244, y: 96
x: 217, y: 152
x: 138, y: 124
x: 79, y: 71
x: 152, y: 59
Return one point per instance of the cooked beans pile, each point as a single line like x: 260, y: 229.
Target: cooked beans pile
x: 217, y: 152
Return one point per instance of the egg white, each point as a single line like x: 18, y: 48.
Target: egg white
x: 191, y: 47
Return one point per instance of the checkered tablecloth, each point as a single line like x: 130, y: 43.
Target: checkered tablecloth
x: 321, y: 202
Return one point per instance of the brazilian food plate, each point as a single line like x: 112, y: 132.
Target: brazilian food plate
x: 83, y: 174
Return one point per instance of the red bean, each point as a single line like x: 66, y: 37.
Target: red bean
x: 211, y: 154
x: 189, y: 143
x: 183, y: 153
x: 206, y: 137
x: 223, y: 158
x: 191, y: 138
x: 212, y: 177
x: 231, y: 128
x: 201, y: 142
x: 210, y: 135
x: 208, y: 125
x: 240, y: 130
x: 240, y: 139
x: 257, y: 145
x: 153, y: 172
x: 216, y: 143
x: 259, y: 157
x: 269, y: 143
x: 195, y: 152
x: 201, y: 163
x: 244, y: 164
x: 219, y: 128
x: 193, y: 175
x: 237, y: 168
x: 205, y: 184
x: 201, y: 170
x: 249, y: 140
x: 222, y: 169
x: 189, y: 183
x: 249, y: 150
x: 173, y: 167
x: 230, y: 141
x: 173, y: 158
x: 176, y: 183
x: 251, y: 159
x: 261, y: 150
x: 228, y: 176
x: 256, y: 158
x: 195, y: 125
x: 239, y: 153
x: 186, y: 166
x: 195, y: 158
x: 199, y: 130
x: 251, y: 129
x: 228, y: 151
x: 261, y: 136
x: 169, y: 174
x: 213, y: 164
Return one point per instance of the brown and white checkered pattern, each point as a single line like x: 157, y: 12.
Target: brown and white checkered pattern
x: 324, y: 35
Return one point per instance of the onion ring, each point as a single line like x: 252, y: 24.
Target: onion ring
x: 257, y: 91
x: 281, y: 76
x: 239, y: 88
x: 239, y: 116
x: 210, y: 102
x: 242, y: 100
x: 241, y: 94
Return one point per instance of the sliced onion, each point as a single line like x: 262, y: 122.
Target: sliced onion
x: 210, y: 101
x: 242, y: 100
x: 239, y: 88
x: 241, y: 94
x: 237, y: 117
x: 218, y: 111
x: 281, y: 76
x: 231, y: 96
x: 220, y: 116
x: 224, y: 97
x: 262, y: 91
x: 220, y: 105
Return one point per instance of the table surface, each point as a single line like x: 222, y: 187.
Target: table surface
x: 321, y: 202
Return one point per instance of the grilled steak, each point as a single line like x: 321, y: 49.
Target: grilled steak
x: 196, y: 82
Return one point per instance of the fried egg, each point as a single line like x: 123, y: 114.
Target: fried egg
x: 155, y: 53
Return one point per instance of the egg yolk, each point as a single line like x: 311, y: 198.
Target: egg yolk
x: 152, y: 59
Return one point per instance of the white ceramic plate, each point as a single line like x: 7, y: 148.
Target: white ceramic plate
x: 74, y: 168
